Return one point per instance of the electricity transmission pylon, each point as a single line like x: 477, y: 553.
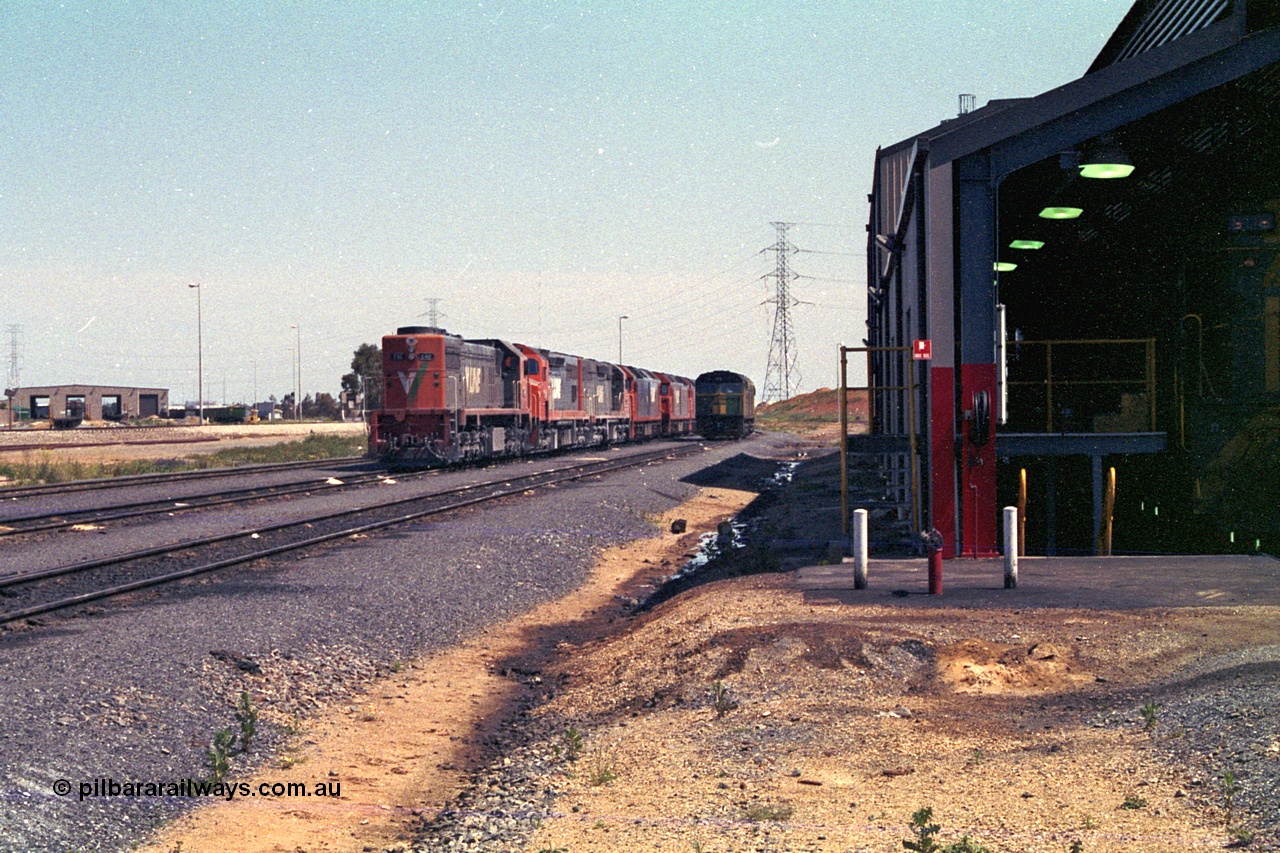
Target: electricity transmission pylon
x: 15, y: 360
x: 434, y: 315
x: 781, y: 376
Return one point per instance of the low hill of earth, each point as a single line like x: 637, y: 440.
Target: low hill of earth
x: 815, y: 409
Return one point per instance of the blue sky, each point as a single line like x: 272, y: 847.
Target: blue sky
x: 541, y: 168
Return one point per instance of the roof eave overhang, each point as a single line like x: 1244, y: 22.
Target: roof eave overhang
x: 1029, y: 131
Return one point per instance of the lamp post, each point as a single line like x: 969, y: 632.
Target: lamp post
x: 621, y: 317
x: 199, y: 352
x: 298, y: 353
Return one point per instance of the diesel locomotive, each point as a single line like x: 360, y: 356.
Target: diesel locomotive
x: 726, y: 406
x: 450, y: 400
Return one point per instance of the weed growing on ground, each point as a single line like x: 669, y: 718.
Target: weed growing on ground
x: 247, y: 717
x: 1150, y: 713
x: 1241, y: 835
x: 757, y: 812
x: 722, y: 701
x: 924, y: 841
x: 925, y: 831
x: 572, y: 739
x: 1077, y: 846
x: 601, y: 769
x: 219, y: 753
x: 1133, y: 802
x: 1230, y: 787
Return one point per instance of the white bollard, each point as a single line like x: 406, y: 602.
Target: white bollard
x: 1011, y: 547
x: 860, y: 549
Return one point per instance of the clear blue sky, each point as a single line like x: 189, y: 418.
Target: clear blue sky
x: 540, y: 167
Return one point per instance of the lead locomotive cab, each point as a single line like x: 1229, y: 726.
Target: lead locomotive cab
x: 726, y: 404
x: 448, y: 400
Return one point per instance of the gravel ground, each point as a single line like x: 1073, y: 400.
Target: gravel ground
x: 1216, y: 716
x: 1222, y: 716
x: 134, y: 693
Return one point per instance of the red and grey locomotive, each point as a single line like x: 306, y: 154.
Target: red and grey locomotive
x: 447, y: 400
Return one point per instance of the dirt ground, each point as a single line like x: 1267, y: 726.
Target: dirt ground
x: 414, y: 741
x: 787, y: 712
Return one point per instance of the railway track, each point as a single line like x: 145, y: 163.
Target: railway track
x: 39, y: 591
x: 62, y: 519
x: 18, y: 492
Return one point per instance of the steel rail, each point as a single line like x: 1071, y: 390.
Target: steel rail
x: 115, y: 512
x: 536, y: 480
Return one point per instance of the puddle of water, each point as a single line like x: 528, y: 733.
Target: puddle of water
x: 734, y: 534
x: 785, y: 474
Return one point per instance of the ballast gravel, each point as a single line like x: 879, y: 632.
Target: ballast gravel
x: 131, y: 691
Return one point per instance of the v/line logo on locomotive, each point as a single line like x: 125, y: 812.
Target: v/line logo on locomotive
x: 449, y: 399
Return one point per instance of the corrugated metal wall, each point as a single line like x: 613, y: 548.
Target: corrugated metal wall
x: 1166, y: 20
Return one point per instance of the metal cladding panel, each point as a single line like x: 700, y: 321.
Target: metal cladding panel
x: 598, y: 399
x: 939, y: 223
x: 479, y: 375
x: 646, y: 391
x: 682, y: 397
x: 1152, y: 23
x: 564, y: 381
x: 894, y: 170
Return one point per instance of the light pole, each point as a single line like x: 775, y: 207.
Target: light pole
x: 298, y: 352
x: 199, y: 352
x: 620, y: 319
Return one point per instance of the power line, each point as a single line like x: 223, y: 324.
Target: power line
x: 840, y: 254
x: 822, y: 225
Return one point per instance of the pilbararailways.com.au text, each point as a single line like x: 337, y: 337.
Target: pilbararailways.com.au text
x: 193, y: 788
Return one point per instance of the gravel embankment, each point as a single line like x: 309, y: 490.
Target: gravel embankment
x: 133, y: 693
x: 1221, y: 716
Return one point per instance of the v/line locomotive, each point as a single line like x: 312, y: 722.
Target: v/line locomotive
x: 449, y: 400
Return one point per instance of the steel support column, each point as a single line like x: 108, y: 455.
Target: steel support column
x: 975, y: 259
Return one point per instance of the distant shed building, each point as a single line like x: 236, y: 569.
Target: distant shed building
x: 90, y: 402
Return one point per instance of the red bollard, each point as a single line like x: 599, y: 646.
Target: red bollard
x: 935, y: 573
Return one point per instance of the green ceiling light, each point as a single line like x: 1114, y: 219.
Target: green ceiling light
x: 1061, y: 212
x: 1005, y: 266
x: 1106, y: 170
x: 1027, y: 244
x: 1106, y: 161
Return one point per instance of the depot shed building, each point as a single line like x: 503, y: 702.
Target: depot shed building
x: 90, y: 402
x: 1095, y: 270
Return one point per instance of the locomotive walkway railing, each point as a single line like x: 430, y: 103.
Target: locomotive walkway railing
x: 1108, y: 384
